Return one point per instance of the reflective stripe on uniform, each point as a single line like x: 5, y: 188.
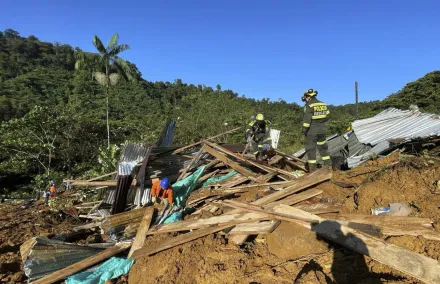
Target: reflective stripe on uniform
x: 255, y: 153
x: 260, y: 146
x: 317, y: 104
x: 306, y: 124
x: 312, y: 161
x: 325, y: 158
x: 319, y: 116
x: 321, y: 143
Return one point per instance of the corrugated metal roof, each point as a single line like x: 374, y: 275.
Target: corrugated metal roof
x: 396, y: 124
x: 131, y: 155
x: 166, y: 138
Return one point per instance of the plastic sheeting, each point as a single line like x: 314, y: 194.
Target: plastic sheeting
x: 217, y: 179
x: 112, y: 268
x: 183, y: 188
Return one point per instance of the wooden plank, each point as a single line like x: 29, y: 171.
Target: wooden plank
x: 296, y: 198
x: 238, y: 157
x: 190, y: 165
x: 231, y: 219
x: 255, y: 228
x: 141, y: 234
x: 100, y: 177
x: 295, y: 165
x: 257, y: 209
x: 392, y: 225
x: 207, y: 176
x: 418, y: 266
x: 95, y: 207
x: 290, y: 156
x: 275, y: 159
x: 245, y: 172
x: 293, y: 199
x: 296, y: 185
x: 235, y: 182
x: 92, y: 183
x: 123, y: 218
x: 267, y: 177
x: 181, y: 239
x: 200, y: 142
x: 83, y: 264
x: 299, y: 184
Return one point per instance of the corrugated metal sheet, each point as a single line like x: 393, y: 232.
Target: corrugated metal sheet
x: 375, y: 151
x: 166, y: 138
x: 396, y: 124
x: 131, y: 154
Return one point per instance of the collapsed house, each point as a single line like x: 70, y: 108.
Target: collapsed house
x: 379, y: 135
x: 217, y: 188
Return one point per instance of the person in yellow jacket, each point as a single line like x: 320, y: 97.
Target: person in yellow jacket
x: 315, y: 128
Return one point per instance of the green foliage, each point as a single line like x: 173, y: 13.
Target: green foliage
x: 54, y: 115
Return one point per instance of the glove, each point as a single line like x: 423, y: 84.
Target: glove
x: 154, y: 199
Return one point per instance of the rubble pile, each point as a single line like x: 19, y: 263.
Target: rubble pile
x: 238, y: 219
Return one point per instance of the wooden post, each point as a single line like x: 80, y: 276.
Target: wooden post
x: 142, y: 231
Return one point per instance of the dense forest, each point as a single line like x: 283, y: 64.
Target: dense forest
x: 53, y: 113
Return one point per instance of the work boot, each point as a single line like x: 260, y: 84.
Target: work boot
x: 311, y: 167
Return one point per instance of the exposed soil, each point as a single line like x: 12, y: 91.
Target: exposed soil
x: 17, y: 225
x: 291, y: 254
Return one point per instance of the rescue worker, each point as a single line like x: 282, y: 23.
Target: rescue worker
x: 314, y: 128
x: 52, y: 189
x: 162, y: 191
x: 258, y: 135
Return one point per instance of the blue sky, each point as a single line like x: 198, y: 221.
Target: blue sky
x: 263, y: 49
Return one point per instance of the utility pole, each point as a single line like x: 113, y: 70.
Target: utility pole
x: 357, y: 99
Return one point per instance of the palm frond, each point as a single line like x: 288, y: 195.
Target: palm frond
x: 124, y: 69
x: 101, y: 78
x: 118, y: 49
x: 98, y: 44
x: 113, y: 41
x: 114, y: 79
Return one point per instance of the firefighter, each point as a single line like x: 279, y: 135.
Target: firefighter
x: 314, y: 128
x: 258, y: 135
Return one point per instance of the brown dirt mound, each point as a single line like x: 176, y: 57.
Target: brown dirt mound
x: 18, y: 225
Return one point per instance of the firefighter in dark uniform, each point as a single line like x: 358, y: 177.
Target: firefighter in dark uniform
x: 258, y: 135
x: 314, y: 128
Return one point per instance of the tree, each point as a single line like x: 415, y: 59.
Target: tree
x: 109, y: 67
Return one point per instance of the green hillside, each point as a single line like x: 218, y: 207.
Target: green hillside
x: 54, y: 117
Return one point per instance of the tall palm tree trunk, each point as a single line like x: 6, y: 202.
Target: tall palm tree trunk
x: 107, y: 93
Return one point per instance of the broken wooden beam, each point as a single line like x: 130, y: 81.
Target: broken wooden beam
x: 181, y: 239
x: 392, y: 225
x: 274, y: 215
x: 261, y: 228
x: 222, y: 157
x: 224, y: 219
x: 200, y: 142
x: 297, y: 185
x: 141, y: 234
x: 416, y: 265
x: 83, y: 264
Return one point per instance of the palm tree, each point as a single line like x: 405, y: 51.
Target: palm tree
x: 111, y: 67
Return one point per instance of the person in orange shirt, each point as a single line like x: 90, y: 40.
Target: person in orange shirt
x: 52, y: 189
x: 163, y: 190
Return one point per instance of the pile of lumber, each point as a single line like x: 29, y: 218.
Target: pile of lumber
x: 276, y: 189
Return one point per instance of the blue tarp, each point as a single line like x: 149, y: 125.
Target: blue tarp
x: 112, y: 268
